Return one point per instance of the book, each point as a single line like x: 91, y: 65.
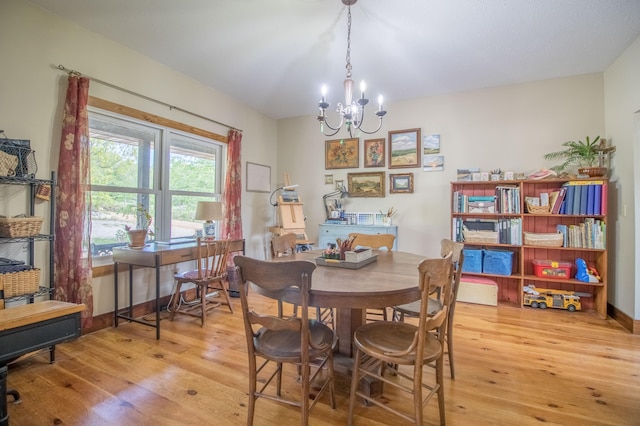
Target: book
x: 556, y: 207
x: 597, y: 200
x: 591, y: 195
x: 577, y: 194
x: 569, y: 199
x: 584, y: 198
x: 553, y: 197
x: 544, y: 198
x: 603, y: 199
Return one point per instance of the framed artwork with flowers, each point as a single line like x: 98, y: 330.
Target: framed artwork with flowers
x: 374, y: 153
x: 342, y: 154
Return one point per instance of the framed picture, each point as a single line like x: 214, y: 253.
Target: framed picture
x: 328, y: 179
x: 339, y: 183
x: 258, y: 177
x: 401, y: 183
x: 342, y: 154
x: 433, y: 163
x: 374, y: 153
x: 367, y: 184
x: 431, y: 144
x: 404, y: 148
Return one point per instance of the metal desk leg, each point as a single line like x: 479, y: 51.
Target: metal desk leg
x: 130, y: 291
x: 115, y: 292
x: 157, y: 297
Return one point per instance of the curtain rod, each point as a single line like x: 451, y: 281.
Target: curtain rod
x: 122, y: 89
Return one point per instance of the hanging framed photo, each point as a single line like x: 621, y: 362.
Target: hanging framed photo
x: 401, y: 183
x: 404, y: 148
x: 374, y: 153
x: 368, y: 184
x: 258, y: 177
x: 342, y: 154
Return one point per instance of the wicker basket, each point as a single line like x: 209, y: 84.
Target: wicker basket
x: 480, y: 237
x: 11, y: 227
x: 19, y: 283
x: 593, y: 171
x: 543, y: 240
x: 537, y: 209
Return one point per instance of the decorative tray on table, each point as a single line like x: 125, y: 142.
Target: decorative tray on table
x: 353, y: 259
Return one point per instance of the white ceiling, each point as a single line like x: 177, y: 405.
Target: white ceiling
x: 274, y: 55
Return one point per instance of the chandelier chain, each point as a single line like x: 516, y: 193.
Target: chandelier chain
x: 348, y: 66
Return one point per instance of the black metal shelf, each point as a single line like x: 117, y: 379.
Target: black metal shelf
x: 32, y: 182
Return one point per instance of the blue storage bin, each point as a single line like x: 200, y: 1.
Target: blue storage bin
x: 498, y: 262
x: 472, y: 261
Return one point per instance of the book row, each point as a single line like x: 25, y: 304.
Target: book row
x: 592, y: 233
x: 505, y: 200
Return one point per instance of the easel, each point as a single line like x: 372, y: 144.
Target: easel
x: 290, y: 218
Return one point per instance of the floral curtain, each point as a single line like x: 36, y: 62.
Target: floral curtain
x: 72, y: 259
x: 231, y: 196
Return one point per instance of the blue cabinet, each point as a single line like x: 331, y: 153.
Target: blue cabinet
x: 328, y: 233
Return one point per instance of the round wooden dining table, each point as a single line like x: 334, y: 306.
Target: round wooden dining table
x: 391, y: 280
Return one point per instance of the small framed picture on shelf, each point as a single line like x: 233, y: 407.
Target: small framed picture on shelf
x: 374, y: 153
x: 368, y: 184
x: 401, y: 183
x: 404, y: 148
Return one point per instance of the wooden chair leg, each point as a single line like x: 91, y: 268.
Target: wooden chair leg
x: 449, y: 339
x: 355, y: 380
x: 225, y: 292
x: 203, y: 304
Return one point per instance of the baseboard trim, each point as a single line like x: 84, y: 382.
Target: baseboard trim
x: 628, y: 323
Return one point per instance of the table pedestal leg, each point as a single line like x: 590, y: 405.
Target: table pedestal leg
x: 347, y: 321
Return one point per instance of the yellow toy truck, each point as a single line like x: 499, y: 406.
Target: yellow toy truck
x: 547, y: 298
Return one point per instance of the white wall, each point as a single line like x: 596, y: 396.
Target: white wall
x: 32, y: 93
x: 509, y: 127
x: 622, y: 104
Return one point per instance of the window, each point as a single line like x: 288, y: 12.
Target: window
x: 165, y: 171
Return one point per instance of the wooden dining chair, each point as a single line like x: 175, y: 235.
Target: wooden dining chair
x: 210, y: 276
x: 293, y: 340
x: 435, y: 304
x: 284, y: 245
x: 399, y: 343
x: 376, y: 241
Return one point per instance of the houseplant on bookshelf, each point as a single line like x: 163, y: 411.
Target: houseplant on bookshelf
x: 587, y: 156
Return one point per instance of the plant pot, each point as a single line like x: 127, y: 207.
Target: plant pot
x: 137, y: 237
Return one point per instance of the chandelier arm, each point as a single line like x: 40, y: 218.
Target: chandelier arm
x: 373, y: 131
x: 326, y: 123
x: 330, y: 134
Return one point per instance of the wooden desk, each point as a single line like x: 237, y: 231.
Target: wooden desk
x: 31, y: 327
x: 392, y: 280
x: 154, y: 255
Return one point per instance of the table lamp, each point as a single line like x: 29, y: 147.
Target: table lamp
x: 209, y: 211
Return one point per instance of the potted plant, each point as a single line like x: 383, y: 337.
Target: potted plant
x: 138, y: 236
x: 585, y: 155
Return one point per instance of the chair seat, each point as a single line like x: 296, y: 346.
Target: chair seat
x: 413, y: 308
x: 192, y: 276
x: 284, y: 345
x: 378, y: 339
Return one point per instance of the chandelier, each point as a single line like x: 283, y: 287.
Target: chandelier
x: 352, y: 112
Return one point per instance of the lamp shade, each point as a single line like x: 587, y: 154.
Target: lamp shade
x: 208, y: 210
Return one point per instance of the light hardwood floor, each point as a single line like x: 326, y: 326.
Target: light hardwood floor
x: 513, y: 367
